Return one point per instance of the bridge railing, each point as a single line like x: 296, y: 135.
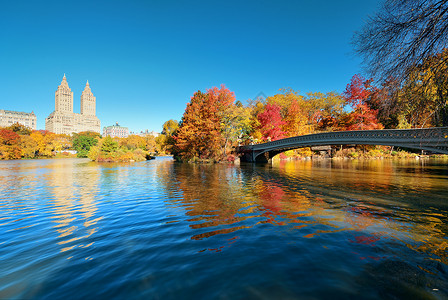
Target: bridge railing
x: 400, y: 137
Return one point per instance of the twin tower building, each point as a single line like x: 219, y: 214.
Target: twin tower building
x: 64, y: 120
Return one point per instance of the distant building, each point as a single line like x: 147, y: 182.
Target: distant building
x: 147, y: 132
x: 116, y: 131
x: 9, y: 117
x: 64, y: 120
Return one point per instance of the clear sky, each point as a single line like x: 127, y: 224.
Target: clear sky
x: 145, y: 59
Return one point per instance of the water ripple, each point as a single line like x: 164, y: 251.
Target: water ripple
x: 75, y: 229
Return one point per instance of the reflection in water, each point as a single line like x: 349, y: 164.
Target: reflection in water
x: 375, y: 201
x: 159, y: 229
x: 74, y: 193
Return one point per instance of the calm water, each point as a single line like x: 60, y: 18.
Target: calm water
x: 71, y: 228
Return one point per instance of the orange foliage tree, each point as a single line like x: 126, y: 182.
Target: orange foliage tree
x: 9, y: 145
x: 199, y: 134
x: 295, y: 120
x: 203, y: 132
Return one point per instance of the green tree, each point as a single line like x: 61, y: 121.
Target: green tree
x: 235, y: 125
x: 83, y: 143
x: 87, y: 133
x: 108, y: 145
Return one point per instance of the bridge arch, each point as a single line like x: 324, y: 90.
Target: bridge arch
x: 430, y: 139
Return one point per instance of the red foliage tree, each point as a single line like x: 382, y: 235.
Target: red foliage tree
x: 362, y: 117
x: 271, y: 123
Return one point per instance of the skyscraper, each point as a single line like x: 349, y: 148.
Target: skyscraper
x: 64, y: 120
x: 88, y: 101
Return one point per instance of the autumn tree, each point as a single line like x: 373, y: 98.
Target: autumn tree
x: 284, y: 99
x: 271, y: 123
x: 161, y: 143
x: 133, y: 142
x: 292, y: 111
x: 9, y: 144
x: 255, y: 107
x: 199, y: 133
x: 235, y: 125
x: 20, y: 129
x: 321, y: 106
x: 425, y: 93
x: 302, y: 114
x: 390, y: 106
x: 151, y: 144
x: 46, y: 142
x: 296, y: 120
x: 170, y: 127
x: 165, y: 141
x: 222, y: 98
x: 231, y: 122
x: 29, y: 146
x: 362, y: 117
x: 203, y: 128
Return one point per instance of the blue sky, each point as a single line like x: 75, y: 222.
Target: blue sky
x: 145, y: 59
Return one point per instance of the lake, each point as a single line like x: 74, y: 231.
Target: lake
x: 325, y: 229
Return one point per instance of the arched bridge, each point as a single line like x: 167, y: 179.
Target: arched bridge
x: 430, y: 139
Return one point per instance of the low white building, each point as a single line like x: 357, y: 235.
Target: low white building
x: 147, y: 132
x: 9, y: 117
x: 116, y: 131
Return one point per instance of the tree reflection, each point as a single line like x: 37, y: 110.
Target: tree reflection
x: 367, y: 200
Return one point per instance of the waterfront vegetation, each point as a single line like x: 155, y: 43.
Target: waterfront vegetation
x: 214, y: 122
x: 111, y: 150
x: 17, y: 141
x: 404, y: 50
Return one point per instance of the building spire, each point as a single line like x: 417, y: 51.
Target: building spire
x: 87, y: 87
x: 64, y: 81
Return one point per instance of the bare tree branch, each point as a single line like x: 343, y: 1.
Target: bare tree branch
x: 403, y: 34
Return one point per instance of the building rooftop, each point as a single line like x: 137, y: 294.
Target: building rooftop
x: 116, y: 125
x: 16, y: 112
